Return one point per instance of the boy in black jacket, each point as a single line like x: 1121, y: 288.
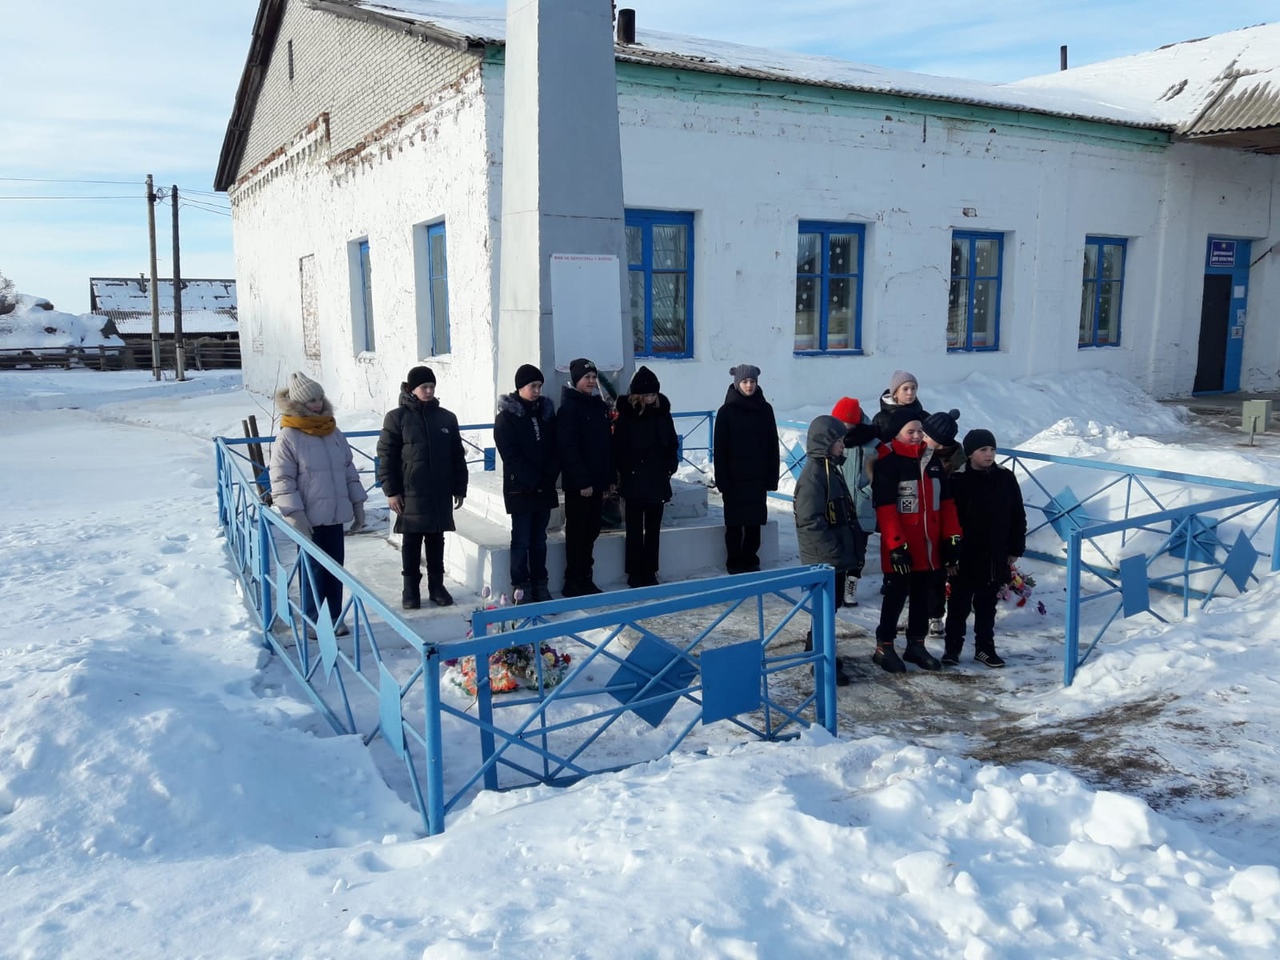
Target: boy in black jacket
x: 989, y: 503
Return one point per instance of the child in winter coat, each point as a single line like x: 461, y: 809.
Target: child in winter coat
x: 315, y: 485
x: 919, y: 536
x: 901, y: 395
x: 989, y: 504
x: 940, y: 435
x: 826, y: 522
x: 860, y: 443
x: 584, y: 427
x: 524, y: 432
x: 423, y: 470
x: 646, y: 453
x: 747, y: 466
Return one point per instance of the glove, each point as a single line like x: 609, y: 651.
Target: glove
x: 457, y: 502
x: 900, y: 559
x: 358, y: 523
x: 299, y: 522
x: 951, y: 552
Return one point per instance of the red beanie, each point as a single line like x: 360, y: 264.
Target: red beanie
x: 847, y: 410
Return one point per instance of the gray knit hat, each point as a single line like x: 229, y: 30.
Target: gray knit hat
x: 744, y: 371
x: 899, y: 378
x: 302, y: 389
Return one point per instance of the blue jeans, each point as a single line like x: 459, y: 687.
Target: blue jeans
x: 329, y: 539
x: 529, y: 547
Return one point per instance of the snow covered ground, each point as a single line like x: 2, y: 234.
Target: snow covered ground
x: 165, y: 793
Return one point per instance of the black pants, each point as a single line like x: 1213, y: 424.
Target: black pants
x: 981, y: 599
x: 581, y: 528
x: 742, y: 548
x: 412, y: 546
x: 644, y: 526
x: 529, y: 547
x: 913, y: 590
x: 327, y: 587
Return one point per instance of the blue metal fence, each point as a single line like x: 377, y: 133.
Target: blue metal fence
x: 1136, y: 530
x: 635, y: 662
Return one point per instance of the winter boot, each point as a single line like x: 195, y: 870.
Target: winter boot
x: 842, y: 676
x: 411, y: 596
x: 922, y: 658
x: 936, y: 627
x: 851, y: 591
x: 951, y: 656
x: 540, y: 591
x: 887, y: 658
x: 990, y: 658
x: 439, y: 596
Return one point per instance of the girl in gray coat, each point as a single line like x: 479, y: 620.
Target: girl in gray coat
x: 315, y: 485
x: 824, y: 511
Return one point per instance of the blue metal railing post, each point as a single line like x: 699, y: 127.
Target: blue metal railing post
x: 1275, y: 543
x: 266, y: 602
x: 434, y: 736
x: 824, y: 640
x: 1072, y: 625
x: 484, y: 708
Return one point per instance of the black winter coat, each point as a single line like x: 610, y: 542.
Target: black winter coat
x: 420, y: 458
x: 747, y: 459
x: 887, y: 409
x: 584, y: 430
x: 646, y: 450
x: 525, y: 434
x: 989, y: 504
x: 824, y: 510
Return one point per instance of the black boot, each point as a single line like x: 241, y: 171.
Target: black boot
x: 886, y: 657
x: 411, y: 596
x: 842, y: 677
x: 540, y: 591
x: 917, y: 653
x: 439, y: 595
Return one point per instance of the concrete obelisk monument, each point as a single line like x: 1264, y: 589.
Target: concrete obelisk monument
x: 562, y: 261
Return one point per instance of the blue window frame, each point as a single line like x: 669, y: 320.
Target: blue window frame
x: 973, y: 306
x: 361, y: 296
x: 660, y: 276
x: 438, y: 288
x: 1102, y: 292
x: 829, y: 287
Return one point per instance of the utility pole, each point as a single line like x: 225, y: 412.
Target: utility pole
x: 179, y: 349
x: 155, y: 291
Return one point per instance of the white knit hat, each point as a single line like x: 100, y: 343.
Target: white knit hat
x: 302, y: 389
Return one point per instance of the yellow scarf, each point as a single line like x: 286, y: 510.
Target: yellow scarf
x: 318, y: 426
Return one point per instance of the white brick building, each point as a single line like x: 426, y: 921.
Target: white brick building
x: 962, y: 228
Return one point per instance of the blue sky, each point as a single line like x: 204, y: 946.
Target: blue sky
x: 112, y: 92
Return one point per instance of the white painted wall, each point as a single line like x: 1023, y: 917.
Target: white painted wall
x: 750, y: 167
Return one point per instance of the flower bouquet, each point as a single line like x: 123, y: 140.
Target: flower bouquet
x: 1019, y: 588
x: 510, y: 669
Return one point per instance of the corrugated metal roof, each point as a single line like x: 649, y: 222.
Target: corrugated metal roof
x: 1249, y: 103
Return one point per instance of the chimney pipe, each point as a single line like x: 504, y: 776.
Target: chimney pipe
x: 626, y: 25
x: 1062, y: 57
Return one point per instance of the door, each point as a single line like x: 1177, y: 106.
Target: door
x: 1222, y: 316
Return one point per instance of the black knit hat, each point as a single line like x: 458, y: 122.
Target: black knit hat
x: 899, y: 419
x: 644, y: 381
x: 580, y: 368
x: 527, y: 374
x: 977, y: 439
x: 418, y: 376
x: 941, y: 427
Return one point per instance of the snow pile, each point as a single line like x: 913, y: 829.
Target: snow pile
x: 35, y: 325
x: 165, y: 791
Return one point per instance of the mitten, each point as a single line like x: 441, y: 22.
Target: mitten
x: 357, y: 524
x: 951, y: 551
x: 299, y: 522
x: 900, y: 559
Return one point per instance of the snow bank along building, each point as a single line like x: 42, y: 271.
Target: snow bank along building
x: 825, y: 220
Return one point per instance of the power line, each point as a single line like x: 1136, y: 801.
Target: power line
x: 68, y: 198
x: 206, y: 203
x: 195, y: 206
x: 204, y: 193
x: 117, y: 183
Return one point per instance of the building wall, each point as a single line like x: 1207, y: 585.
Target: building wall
x: 319, y: 195
x: 750, y: 160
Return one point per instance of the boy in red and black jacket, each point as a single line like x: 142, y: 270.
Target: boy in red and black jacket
x: 919, y: 531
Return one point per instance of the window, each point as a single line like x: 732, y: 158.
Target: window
x: 361, y: 295
x: 1102, y: 292
x: 829, y: 287
x: 310, y: 310
x: 431, y: 272
x: 660, y: 273
x: 973, y: 308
